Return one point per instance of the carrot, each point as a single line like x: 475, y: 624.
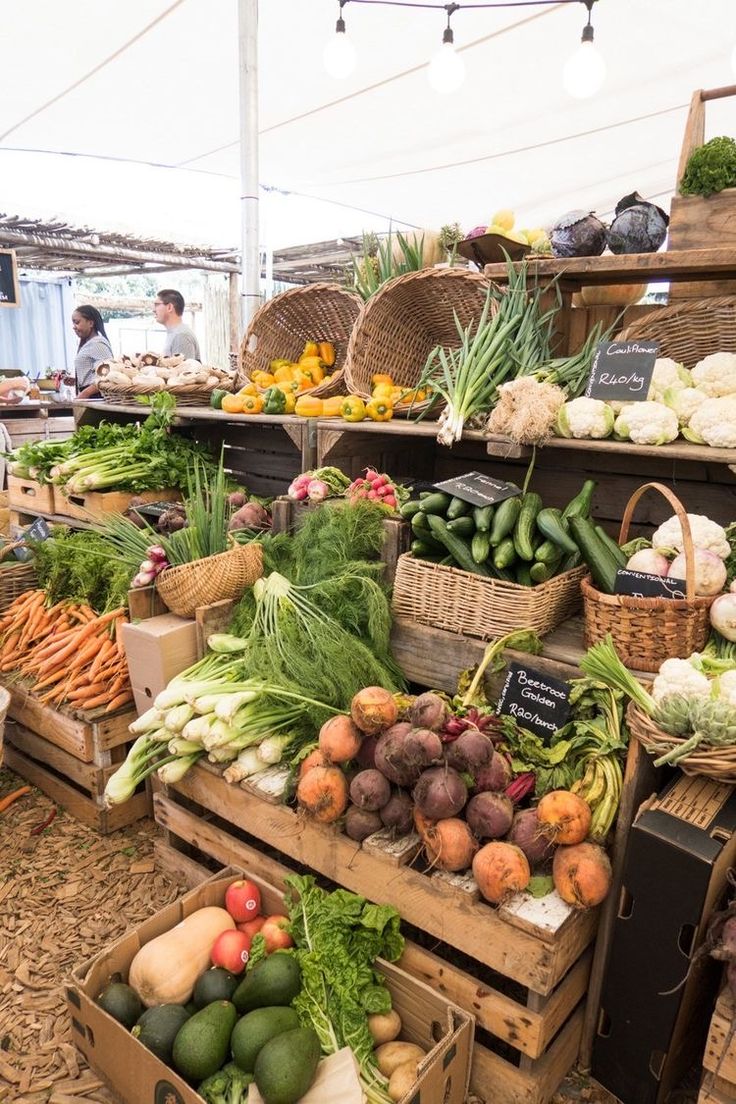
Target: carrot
x: 105, y: 651
x: 93, y: 703
x: 87, y: 691
x: 119, y: 700
x: 86, y: 654
x: 50, y: 679
x: 8, y: 800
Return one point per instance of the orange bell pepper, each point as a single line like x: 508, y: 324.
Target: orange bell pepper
x: 380, y: 410
x: 233, y: 404
x: 381, y: 378
x: 353, y: 409
x: 308, y: 407
x: 327, y: 353
x: 290, y: 387
x: 252, y: 404
x: 315, y: 372
x: 417, y: 394
x: 331, y: 408
x: 311, y: 349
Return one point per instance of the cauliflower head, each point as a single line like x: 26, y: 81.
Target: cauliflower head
x: 727, y: 687
x: 678, y: 678
x: 684, y: 401
x: 583, y: 418
x: 713, y: 423
x: 706, y: 534
x: 716, y: 375
x: 647, y: 423
x: 667, y: 374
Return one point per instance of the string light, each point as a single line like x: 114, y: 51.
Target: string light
x: 583, y: 75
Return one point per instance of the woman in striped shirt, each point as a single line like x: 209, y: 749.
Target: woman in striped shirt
x: 94, y: 348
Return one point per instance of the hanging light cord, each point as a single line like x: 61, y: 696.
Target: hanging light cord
x: 451, y: 8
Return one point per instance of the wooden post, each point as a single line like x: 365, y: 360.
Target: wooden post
x: 234, y: 305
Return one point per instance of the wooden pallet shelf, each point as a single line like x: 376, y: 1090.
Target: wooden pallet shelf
x: 719, y: 1059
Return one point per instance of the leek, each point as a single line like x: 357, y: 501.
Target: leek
x: 175, y: 769
x: 248, y: 762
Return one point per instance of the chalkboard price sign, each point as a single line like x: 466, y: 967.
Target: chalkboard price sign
x: 478, y: 489
x: 535, y: 700
x: 39, y: 531
x: 622, y: 371
x: 640, y: 584
x: 9, y: 286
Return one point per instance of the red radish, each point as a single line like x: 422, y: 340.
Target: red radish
x: 339, y: 739
x: 323, y: 794
x: 489, y: 815
x: 252, y: 927
x: 361, y: 823
x: 450, y: 844
x: 371, y: 475
x: 231, y: 950
x: 370, y: 790
x: 373, y: 709
x: 243, y: 900
x: 582, y: 874
x: 526, y: 835
x: 501, y: 870
x: 389, y: 500
x: 373, y: 495
x: 564, y: 817
x: 275, y: 933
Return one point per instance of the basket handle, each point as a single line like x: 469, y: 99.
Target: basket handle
x: 11, y: 548
x: 687, y: 538
x: 695, y: 126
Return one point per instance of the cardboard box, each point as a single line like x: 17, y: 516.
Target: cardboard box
x: 138, y: 1077
x: 652, y: 1022
x: 158, y: 649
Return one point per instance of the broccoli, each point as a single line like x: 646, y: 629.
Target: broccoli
x: 711, y: 168
x: 228, y: 1086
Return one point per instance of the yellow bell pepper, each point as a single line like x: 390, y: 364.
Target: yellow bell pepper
x: 353, y: 409
x: 380, y: 410
x: 315, y: 372
x: 263, y: 379
x: 279, y: 362
x: 327, y: 353
x: 308, y: 407
x: 383, y: 391
x: 381, y: 378
x: 331, y: 408
x: 252, y: 404
x: 304, y: 382
x: 233, y: 404
x: 249, y: 389
x: 311, y: 349
x: 417, y: 394
x: 289, y: 387
x: 283, y: 373
x: 290, y: 402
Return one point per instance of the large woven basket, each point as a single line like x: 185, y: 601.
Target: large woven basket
x: 283, y: 325
x: 185, y: 396
x: 185, y: 588
x: 690, y: 330
x: 646, y: 631
x: 405, y: 320
x: 461, y: 602
x: 16, y: 578
x: 715, y: 762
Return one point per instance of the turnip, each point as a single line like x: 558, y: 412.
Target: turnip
x: 471, y: 751
x: 250, y: 516
x: 397, y: 813
x: 439, y: 793
x: 389, y: 756
x: 525, y: 834
x: 429, y: 711
x: 710, y: 571
x: 723, y: 615
x: 489, y: 815
x: 370, y: 790
x: 649, y: 562
x: 494, y: 776
x: 361, y: 823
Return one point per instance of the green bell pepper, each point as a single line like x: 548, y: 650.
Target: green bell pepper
x: 216, y: 399
x: 274, y: 401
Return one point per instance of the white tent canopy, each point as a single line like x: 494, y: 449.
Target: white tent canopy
x: 126, y: 115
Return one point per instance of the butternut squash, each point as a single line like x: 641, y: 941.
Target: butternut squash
x: 164, y: 971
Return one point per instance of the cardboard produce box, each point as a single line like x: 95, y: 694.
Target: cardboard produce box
x: 652, y: 1022
x: 158, y: 649
x: 137, y: 1076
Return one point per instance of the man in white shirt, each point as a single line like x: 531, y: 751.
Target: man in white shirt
x: 168, y: 308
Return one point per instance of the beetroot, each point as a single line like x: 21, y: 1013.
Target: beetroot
x: 361, y: 823
x: 397, y: 813
x: 250, y: 516
x: 389, y: 755
x: 422, y: 749
x: 366, y: 757
x: 439, y: 793
x: 370, y: 790
x: 495, y: 775
x: 429, y: 711
x: 526, y: 835
x: 489, y: 815
x: 471, y: 751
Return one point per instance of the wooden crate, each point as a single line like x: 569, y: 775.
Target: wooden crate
x: 91, y: 505
x: 525, y: 970
x: 29, y: 494
x: 720, y: 1049
x: 89, y: 737
x: 713, y: 1092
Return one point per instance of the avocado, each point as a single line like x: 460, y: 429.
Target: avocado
x: 255, y: 1029
x: 158, y: 1027
x: 121, y: 1002
x: 275, y: 980
x: 203, y: 1042
x: 286, y: 1066
x: 213, y: 985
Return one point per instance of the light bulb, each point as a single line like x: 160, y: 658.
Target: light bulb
x: 584, y: 72
x: 339, y: 55
x: 446, y: 70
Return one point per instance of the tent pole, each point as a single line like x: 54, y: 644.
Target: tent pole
x: 250, y: 296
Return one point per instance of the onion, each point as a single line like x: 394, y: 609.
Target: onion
x: 710, y: 571
x: 500, y: 870
x: 373, y: 709
x: 429, y: 711
x: 489, y: 815
x: 449, y: 844
x: 525, y: 834
x: 563, y: 817
x: 648, y: 561
x: 582, y: 874
x: 439, y: 793
x: 397, y: 813
x: 723, y: 615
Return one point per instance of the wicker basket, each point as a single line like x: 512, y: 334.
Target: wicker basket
x: 690, y: 330
x: 15, y: 579
x: 646, y: 631
x: 461, y: 602
x: 185, y: 588
x: 406, y: 318
x: 185, y: 396
x: 718, y: 762
x: 282, y: 326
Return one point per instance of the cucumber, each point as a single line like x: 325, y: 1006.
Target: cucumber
x: 458, y: 508
x: 423, y: 550
x: 409, y: 509
x: 436, y: 503
x: 571, y: 562
x: 420, y: 526
x: 548, y: 552
x: 505, y: 519
x: 480, y: 546
x: 505, y: 554
x: 463, y: 526
x: 579, y: 506
x: 524, y: 530
x: 596, y: 554
x: 540, y: 572
x: 523, y: 575
x: 483, y: 516
x: 456, y: 546
x: 550, y: 525
x: 618, y: 554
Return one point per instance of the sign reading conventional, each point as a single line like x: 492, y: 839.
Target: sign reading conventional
x: 535, y: 700
x: 478, y: 489
x: 640, y: 584
x: 9, y: 286
x: 622, y: 371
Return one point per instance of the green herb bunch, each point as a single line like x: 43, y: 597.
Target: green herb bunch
x: 711, y: 168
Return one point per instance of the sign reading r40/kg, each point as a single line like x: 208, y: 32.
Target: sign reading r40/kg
x: 535, y: 701
x: 622, y: 371
x: 479, y: 489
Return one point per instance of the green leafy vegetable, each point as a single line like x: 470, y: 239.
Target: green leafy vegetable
x: 711, y: 168
x: 81, y: 567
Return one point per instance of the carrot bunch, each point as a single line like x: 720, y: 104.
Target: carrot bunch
x: 67, y: 652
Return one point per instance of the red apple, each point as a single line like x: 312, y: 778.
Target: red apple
x: 275, y: 935
x: 243, y: 900
x: 252, y: 927
x: 231, y: 950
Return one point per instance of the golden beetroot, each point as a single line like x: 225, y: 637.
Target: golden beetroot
x: 582, y: 874
x: 563, y: 817
x: 339, y: 739
x: 450, y: 845
x: 500, y: 870
x: 374, y: 710
x: 323, y: 794
x: 314, y: 759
